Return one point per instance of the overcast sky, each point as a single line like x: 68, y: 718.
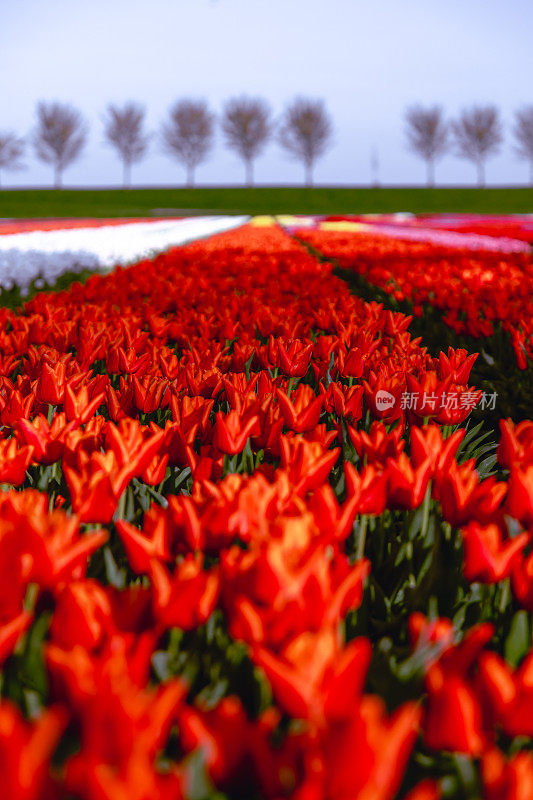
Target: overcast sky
x: 367, y: 60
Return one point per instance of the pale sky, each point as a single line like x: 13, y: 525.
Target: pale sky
x: 368, y: 60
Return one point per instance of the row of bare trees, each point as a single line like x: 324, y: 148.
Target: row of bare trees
x: 304, y: 131
x: 476, y: 135
x: 188, y: 134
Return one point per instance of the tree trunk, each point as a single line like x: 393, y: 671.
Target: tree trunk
x: 57, y: 177
x: 126, y: 177
x: 481, y: 174
x: 249, y: 172
x: 308, y: 173
x: 190, y: 175
x: 430, y: 172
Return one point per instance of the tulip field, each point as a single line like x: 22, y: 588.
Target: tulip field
x: 266, y: 520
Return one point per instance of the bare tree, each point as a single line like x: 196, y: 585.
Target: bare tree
x: 59, y: 136
x: 11, y: 151
x: 427, y: 136
x: 124, y: 130
x: 523, y: 133
x: 478, y: 135
x: 247, y: 128
x: 306, y: 132
x: 188, y: 134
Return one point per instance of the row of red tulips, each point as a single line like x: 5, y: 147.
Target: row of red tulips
x: 307, y: 585
x: 477, y: 292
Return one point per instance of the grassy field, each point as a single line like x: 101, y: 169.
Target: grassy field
x: 15, y: 203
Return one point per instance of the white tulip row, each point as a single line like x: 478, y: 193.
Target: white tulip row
x: 43, y: 256
x: 466, y: 241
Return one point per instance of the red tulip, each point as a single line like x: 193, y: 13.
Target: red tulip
x: 26, y: 750
x: 487, y: 557
x: 187, y: 598
x: 233, y: 429
x: 507, y: 779
x: 14, y: 461
x: 302, y: 410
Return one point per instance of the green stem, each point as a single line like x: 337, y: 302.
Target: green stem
x: 425, y: 511
x: 361, y: 537
x: 505, y: 595
x: 32, y: 592
x: 121, y: 508
x: 248, y: 457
